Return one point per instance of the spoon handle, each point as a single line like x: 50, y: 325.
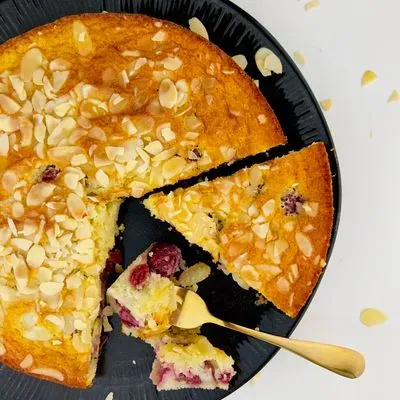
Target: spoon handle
x: 341, y: 360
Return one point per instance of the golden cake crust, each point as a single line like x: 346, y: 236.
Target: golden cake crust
x: 280, y: 255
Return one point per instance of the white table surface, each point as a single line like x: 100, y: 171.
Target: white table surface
x: 341, y: 40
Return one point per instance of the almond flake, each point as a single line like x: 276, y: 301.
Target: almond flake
x: 268, y: 62
x: 27, y: 362
x: 173, y: 167
x: 168, y: 94
x: 299, y: 58
x: 59, y: 79
x: 39, y: 193
x: 8, y: 124
x: 22, y: 244
x: 4, y: 144
x: 79, y: 159
x: 312, y: 4
x: 368, y: 77
x: 102, y: 178
x: 82, y: 39
x: 262, y: 119
x: 59, y: 65
x: 304, y: 244
x: 197, y: 26
x: 71, y: 180
x: 8, y: 105
x: 31, y: 60
x: 76, y: 206
x: 106, y: 325
x: 51, y: 288
x: 283, y: 285
x: 131, y: 53
x: 113, y: 152
x: 326, y: 104
x: 240, y: 60
x: 49, y: 372
x: 3, y: 351
x: 269, y: 207
x: 394, y: 97
x: 159, y: 36
x: 261, y: 230
x: 154, y: 147
x: 311, y: 209
x: 38, y: 333
x: 172, y: 63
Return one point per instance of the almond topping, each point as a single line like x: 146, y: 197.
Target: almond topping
x: 268, y: 62
x: 8, y: 180
x: 168, y: 95
x: 38, y: 333
x: 172, y: 63
x: 269, y: 207
x: 299, y: 58
x: 9, y: 105
x: 393, y: 98
x: 27, y: 362
x: 261, y: 230
x: 173, y: 167
x: 39, y: 193
x: 310, y: 5
x: 2, y: 349
x: 31, y: 60
x: 159, y: 36
x: 8, y: 124
x: 283, y: 285
x: 326, y: 104
x: 197, y: 26
x: 102, y: 178
x: 49, y: 372
x: 368, y: 77
x: 82, y: 38
x: 76, y: 206
x: 304, y: 244
x: 51, y: 288
x: 240, y: 60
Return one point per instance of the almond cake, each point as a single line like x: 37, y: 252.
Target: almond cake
x: 94, y: 108
x: 268, y: 225
x: 144, y: 298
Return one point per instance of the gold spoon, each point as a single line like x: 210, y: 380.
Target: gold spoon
x: 192, y: 312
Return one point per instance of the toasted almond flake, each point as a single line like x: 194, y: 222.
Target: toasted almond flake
x: 311, y: 209
x: 394, y: 97
x: 299, y: 58
x: 8, y: 124
x: 173, y: 167
x: 172, y: 63
x: 51, y: 288
x: 261, y: 230
x: 372, y: 317
x: 368, y: 77
x: 110, y: 395
x: 79, y: 159
x: 22, y: 244
x: 154, y: 147
x: 9, y: 105
x: 4, y: 144
x: 59, y: 79
x: 304, y: 244
x: 59, y: 65
x: 106, y: 325
x: 262, y: 119
x: 312, y: 4
x: 227, y: 152
x: 197, y: 26
x: 8, y: 180
x: 326, y: 104
x: 27, y: 362
x: 250, y: 275
x: 113, y: 152
x: 29, y: 319
x: 159, y: 36
x: 283, y: 285
x: 268, y: 62
x: 168, y: 94
x: 128, y: 126
x: 71, y: 180
x: 240, y: 60
x: 76, y: 206
x: 82, y: 39
x: 56, y: 320
x: 19, y: 87
x: 49, y: 372
x: 168, y: 134
x: 31, y: 60
x: 131, y: 53
x: 288, y: 226
x: 194, y: 274
x: 102, y: 178
x: 3, y: 351
x: 269, y: 207
x: 38, y: 333
x: 38, y: 75
x: 39, y: 193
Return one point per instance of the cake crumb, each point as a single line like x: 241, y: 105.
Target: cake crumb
x: 118, y: 269
x: 326, y: 104
x: 368, y: 77
x: 121, y: 228
x: 299, y: 58
x: 372, y: 317
x: 394, y: 97
x: 110, y: 396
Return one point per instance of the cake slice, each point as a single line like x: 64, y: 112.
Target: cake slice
x: 190, y: 361
x: 143, y: 295
x: 268, y: 225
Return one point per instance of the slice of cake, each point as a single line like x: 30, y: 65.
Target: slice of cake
x: 190, y: 361
x: 268, y: 225
x: 143, y: 295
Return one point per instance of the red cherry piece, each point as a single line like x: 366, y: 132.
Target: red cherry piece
x: 164, y: 259
x: 127, y: 318
x: 139, y: 276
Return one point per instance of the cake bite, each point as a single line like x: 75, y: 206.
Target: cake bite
x: 143, y: 295
x: 188, y: 360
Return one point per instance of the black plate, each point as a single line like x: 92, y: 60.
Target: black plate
x: 292, y: 100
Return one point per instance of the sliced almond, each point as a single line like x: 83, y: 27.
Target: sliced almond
x: 160, y: 36
x: 268, y: 208
x: 38, y: 333
x: 173, y: 167
x: 283, y: 285
x: 39, y: 193
x: 27, y: 362
x: 59, y: 79
x: 368, y: 77
x: 154, y: 147
x: 31, y: 60
x: 268, y: 62
x: 393, y: 98
x: 102, y: 178
x: 71, y: 180
x: 49, y: 372
x: 299, y: 58
x: 8, y: 105
x: 197, y: 26
x: 261, y: 230
x: 8, y: 180
x: 304, y: 244
x: 21, y: 244
x: 59, y: 65
x: 82, y: 39
x: 326, y: 104
x: 172, y: 63
x: 76, y: 206
x: 240, y: 60
x: 4, y: 144
x: 311, y: 209
x: 310, y: 5
x: 168, y: 94
x: 8, y: 124
x: 51, y: 288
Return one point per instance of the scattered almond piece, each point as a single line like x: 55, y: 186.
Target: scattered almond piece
x: 268, y: 62
x: 372, y: 317
x: 311, y: 5
x: 110, y: 396
x: 368, y: 77
x: 299, y: 58
x: 394, y: 97
x: 326, y: 104
x: 240, y: 60
x: 197, y: 26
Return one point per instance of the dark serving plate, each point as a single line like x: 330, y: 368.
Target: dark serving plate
x: 126, y: 362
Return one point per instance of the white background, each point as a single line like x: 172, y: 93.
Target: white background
x: 341, y: 40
